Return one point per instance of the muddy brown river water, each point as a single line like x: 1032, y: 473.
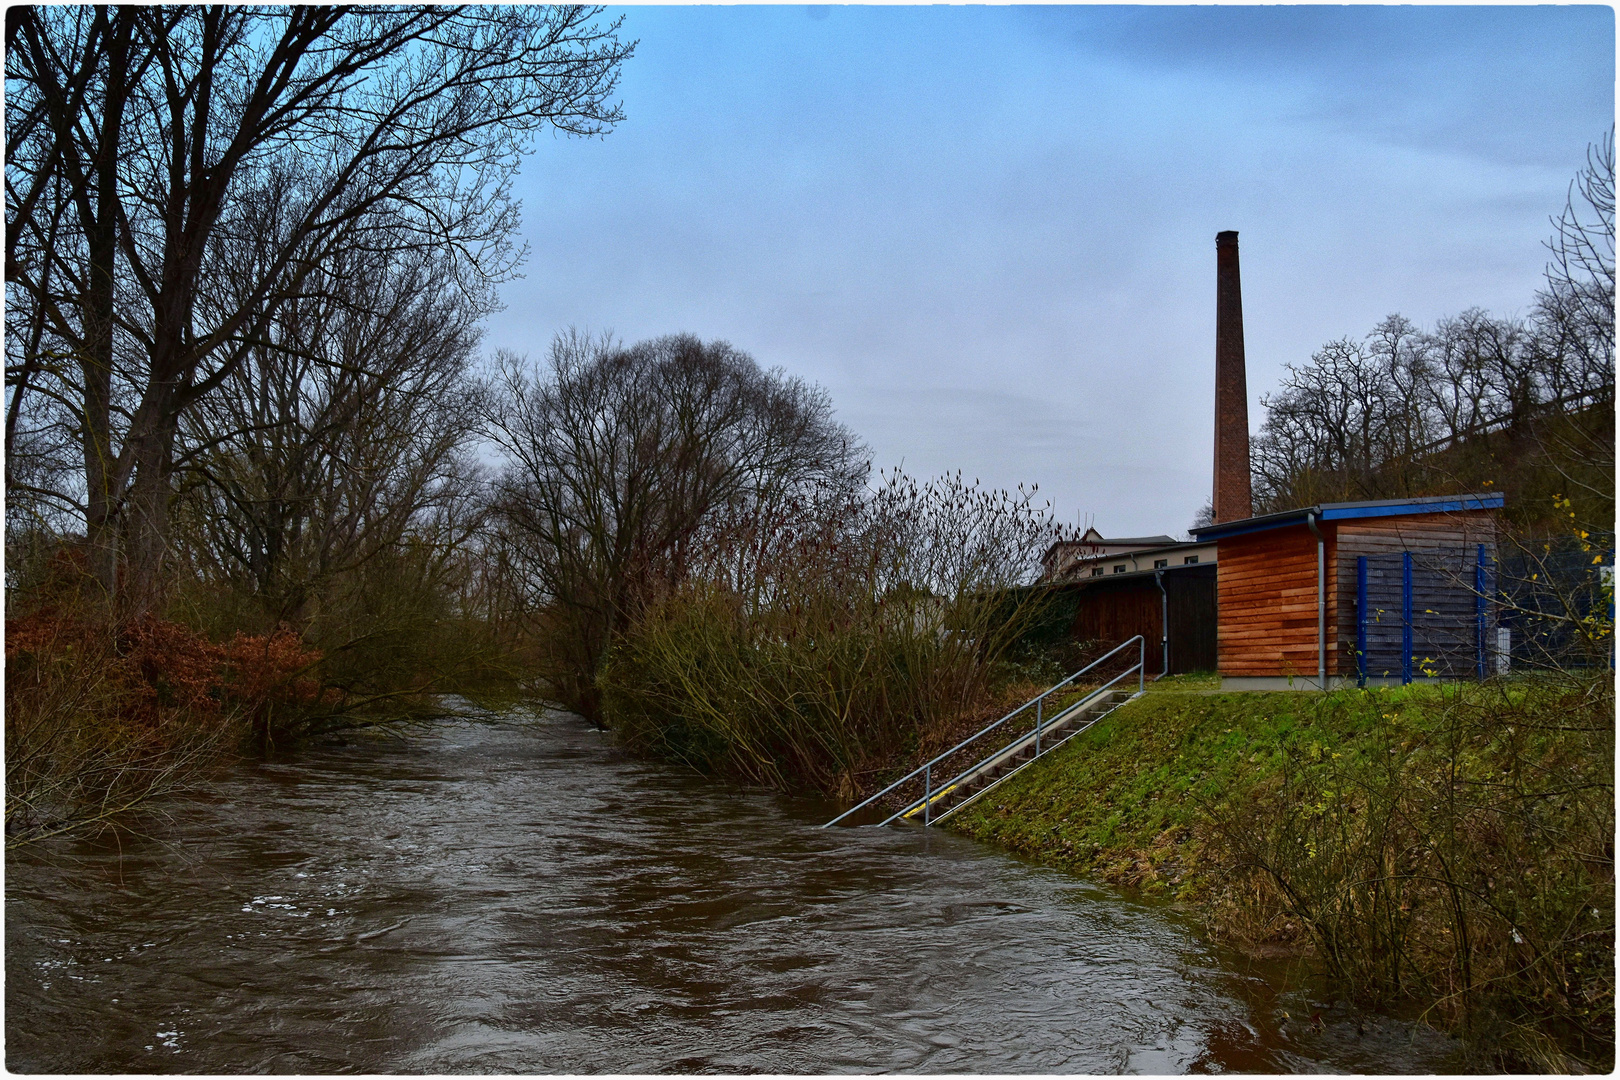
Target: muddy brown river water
x: 522, y: 897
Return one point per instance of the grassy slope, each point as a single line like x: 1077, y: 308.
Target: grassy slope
x: 1176, y: 791
x: 1123, y: 799
x: 1128, y: 799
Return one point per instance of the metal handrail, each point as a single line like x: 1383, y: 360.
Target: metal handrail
x: 926, y: 769
x: 930, y: 796
x: 1081, y: 730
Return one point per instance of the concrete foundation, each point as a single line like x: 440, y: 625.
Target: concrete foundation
x: 1244, y: 683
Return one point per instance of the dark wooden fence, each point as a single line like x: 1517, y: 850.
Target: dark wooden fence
x: 1110, y: 610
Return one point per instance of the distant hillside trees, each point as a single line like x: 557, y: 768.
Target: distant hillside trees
x: 1524, y: 405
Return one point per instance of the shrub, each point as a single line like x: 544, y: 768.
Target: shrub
x: 1458, y: 851
x: 805, y: 698
x: 814, y: 647
x: 100, y: 718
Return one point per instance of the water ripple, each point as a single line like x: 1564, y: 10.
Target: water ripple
x: 523, y: 898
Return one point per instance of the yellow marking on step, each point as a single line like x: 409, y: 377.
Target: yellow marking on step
x: 938, y: 795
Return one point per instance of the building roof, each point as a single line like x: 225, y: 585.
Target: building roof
x: 1346, y: 511
x: 1134, y: 540
x: 1133, y: 554
x: 1097, y: 547
x: 1093, y: 540
x: 1137, y: 553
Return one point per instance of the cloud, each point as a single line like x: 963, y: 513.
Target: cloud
x: 1507, y: 83
x: 990, y: 231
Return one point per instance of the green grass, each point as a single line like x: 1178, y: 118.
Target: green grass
x: 1448, y: 845
x: 1130, y: 790
x: 1199, y: 682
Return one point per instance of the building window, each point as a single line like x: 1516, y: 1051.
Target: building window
x: 1120, y: 569
x: 1096, y: 571
x: 1189, y: 560
x: 1160, y: 564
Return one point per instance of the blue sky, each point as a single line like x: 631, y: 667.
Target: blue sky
x: 989, y: 231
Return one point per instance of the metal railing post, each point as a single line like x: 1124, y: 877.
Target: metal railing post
x: 1039, y: 702
x: 1141, y: 665
x: 928, y: 791
x: 1479, y: 613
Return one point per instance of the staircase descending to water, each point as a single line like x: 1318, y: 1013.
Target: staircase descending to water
x: 1015, y: 744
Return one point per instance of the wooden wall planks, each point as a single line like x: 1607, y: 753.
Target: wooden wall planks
x: 1111, y: 610
x: 1266, y: 624
x: 1267, y: 602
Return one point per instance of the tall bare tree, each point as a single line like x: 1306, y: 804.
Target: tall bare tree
x: 344, y: 432
x: 1580, y: 278
x: 153, y: 149
x: 622, y: 462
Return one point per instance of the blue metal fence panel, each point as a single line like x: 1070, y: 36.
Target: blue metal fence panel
x: 1361, y: 620
x: 1424, y: 614
x: 1481, y: 611
x: 1406, y: 617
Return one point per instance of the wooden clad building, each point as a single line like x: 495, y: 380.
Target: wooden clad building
x: 1304, y: 597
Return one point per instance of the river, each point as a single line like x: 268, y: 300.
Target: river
x: 522, y: 897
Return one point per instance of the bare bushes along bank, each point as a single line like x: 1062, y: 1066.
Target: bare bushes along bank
x: 698, y: 560
x: 818, y: 644
x: 102, y: 718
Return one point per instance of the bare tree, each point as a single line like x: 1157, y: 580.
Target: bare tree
x: 1462, y: 395
x: 151, y: 150
x: 1332, y: 421
x: 1575, y: 344
x: 622, y: 462
x: 1580, y: 279
x: 338, y: 436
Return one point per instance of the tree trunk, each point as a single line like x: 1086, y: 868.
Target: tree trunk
x: 96, y: 360
x: 146, y: 522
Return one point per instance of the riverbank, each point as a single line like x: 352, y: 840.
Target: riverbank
x: 1450, y: 848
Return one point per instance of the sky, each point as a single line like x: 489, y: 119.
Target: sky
x: 989, y: 232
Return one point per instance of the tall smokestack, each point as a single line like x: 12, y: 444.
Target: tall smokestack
x: 1232, y: 499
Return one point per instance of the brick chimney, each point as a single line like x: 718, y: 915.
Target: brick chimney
x: 1232, y: 498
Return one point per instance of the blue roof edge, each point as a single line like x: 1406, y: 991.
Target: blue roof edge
x: 1438, y: 504
x: 1450, y: 504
